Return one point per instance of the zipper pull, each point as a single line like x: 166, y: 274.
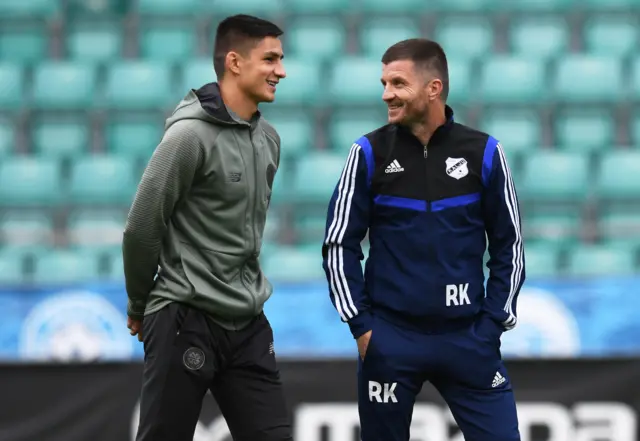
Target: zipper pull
x: 425, y: 152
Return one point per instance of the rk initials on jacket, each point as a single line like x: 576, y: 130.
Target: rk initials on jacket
x: 430, y: 213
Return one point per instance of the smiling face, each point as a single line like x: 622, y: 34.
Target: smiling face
x: 260, y: 69
x: 407, y: 92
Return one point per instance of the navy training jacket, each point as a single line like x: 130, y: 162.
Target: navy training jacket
x: 429, y: 212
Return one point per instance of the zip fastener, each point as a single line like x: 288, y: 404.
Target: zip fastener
x: 255, y: 196
x: 426, y: 154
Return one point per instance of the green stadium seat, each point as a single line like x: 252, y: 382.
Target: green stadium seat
x: 11, y: 86
x: 585, y: 130
x: 102, y: 179
x: 635, y: 79
x: 553, y: 228
x: 395, y: 7
x: 62, y: 266
x: 138, y: 85
x: 291, y: 264
x: 316, y: 176
x: 356, y: 80
x: 303, y: 7
x: 95, y: 42
x: 282, y: 192
x: 7, y: 138
x: 620, y: 227
x: 618, y: 176
x: 535, y: 6
x: 610, y: 36
x: 26, y: 228
x: 170, y: 7
x: 267, y: 10
x: 539, y: 37
x: 541, y: 260
x: 136, y: 138
x: 24, y: 44
x: 61, y: 138
x: 460, y: 90
x: 609, y: 5
x: 378, y: 34
x: 29, y: 180
x: 272, y: 226
x: 453, y: 6
x: 96, y: 228
x: 600, y: 260
x: 550, y: 176
x: 635, y: 129
x: 166, y: 42
x: 196, y: 73
x: 517, y: 130
x: 345, y: 127
x: 97, y: 9
x: 303, y: 83
x: 310, y: 227
x: 63, y: 86
x: 10, y: 9
x: 315, y: 38
x: 465, y: 37
x: 11, y: 269
x: 579, y: 79
x: 115, y: 267
x: 297, y: 133
x: 512, y: 80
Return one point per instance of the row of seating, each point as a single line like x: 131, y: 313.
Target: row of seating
x: 294, y: 264
x: 325, y: 37
x: 52, y: 8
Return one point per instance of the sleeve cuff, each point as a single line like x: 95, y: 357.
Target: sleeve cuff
x: 360, y: 324
x: 135, y: 309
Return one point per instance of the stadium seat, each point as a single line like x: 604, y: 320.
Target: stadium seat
x: 539, y: 37
x: 138, y: 85
x: 97, y: 9
x: 136, y: 138
x: 63, y: 86
x: 512, y: 80
x: 585, y: 130
x: 356, y: 80
x: 310, y: 227
x: 609, y: 5
x: 297, y: 133
x: 618, y: 176
x: 61, y: 138
x: 553, y: 228
x: 305, y: 7
x: 170, y: 7
x: 282, y: 192
x: 26, y: 44
x: 28, y: 181
x: 610, y: 36
x: 168, y: 42
x: 465, y: 37
x: 267, y: 10
x: 11, y: 86
x: 460, y: 90
x: 315, y: 38
x: 316, y: 176
x: 303, y: 84
x: 96, y: 228
x: 11, y: 269
x: 397, y: 6
x: 61, y: 266
x: 7, y: 138
x: 26, y: 228
x: 620, y: 228
x: 11, y: 9
x: 376, y: 35
x: 635, y: 129
x: 555, y: 176
x: 453, y: 6
x: 600, y: 260
x: 291, y: 264
x: 102, y: 179
x: 535, y: 6
x: 541, y: 260
x: 517, y: 130
x: 578, y: 79
x: 196, y: 73
x: 635, y: 79
x: 345, y: 127
x: 94, y: 42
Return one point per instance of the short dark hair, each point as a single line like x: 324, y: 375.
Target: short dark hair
x: 426, y: 54
x: 240, y: 33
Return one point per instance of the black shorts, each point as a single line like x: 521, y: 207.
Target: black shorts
x: 186, y: 355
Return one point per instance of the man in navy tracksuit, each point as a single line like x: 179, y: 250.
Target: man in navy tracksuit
x: 430, y: 193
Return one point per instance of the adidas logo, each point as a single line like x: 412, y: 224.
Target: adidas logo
x: 271, y: 348
x: 498, y: 380
x: 394, y: 167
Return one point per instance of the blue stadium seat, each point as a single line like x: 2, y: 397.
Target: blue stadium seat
x: 62, y: 266
x: 578, y: 79
x: 28, y: 181
x: 64, y: 86
x: 102, y: 179
x: 95, y: 42
x: 611, y: 36
x: 138, y: 85
x: 11, y: 86
x: 61, y: 138
x: 7, y: 137
x: 512, y: 80
x: 25, y: 44
x: 19, y: 228
x: 168, y: 42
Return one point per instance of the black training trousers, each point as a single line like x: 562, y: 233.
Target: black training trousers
x: 186, y: 355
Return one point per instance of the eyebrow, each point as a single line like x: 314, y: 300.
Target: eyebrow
x: 274, y: 54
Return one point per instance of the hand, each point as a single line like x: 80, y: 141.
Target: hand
x: 135, y: 327
x: 363, y: 344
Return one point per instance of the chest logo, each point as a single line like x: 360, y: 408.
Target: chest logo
x: 457, y: 167
x: 394, y: 167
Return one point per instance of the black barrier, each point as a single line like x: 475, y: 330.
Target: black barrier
x: 573, y: 400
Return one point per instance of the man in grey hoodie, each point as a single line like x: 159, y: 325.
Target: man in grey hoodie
x: 191, y: 246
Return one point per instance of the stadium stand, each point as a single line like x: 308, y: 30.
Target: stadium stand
x: 85, y: 87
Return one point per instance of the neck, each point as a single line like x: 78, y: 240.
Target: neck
x: 237, y: 100
x: 424, y: 129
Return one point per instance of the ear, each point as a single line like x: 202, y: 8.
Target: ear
x: 232, y: 62
x: 434, y: 89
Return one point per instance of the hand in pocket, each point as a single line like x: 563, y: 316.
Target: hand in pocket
x: 363, y: 344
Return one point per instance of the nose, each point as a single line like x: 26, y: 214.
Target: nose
x: 387, y: 95
x: 280, y: 72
